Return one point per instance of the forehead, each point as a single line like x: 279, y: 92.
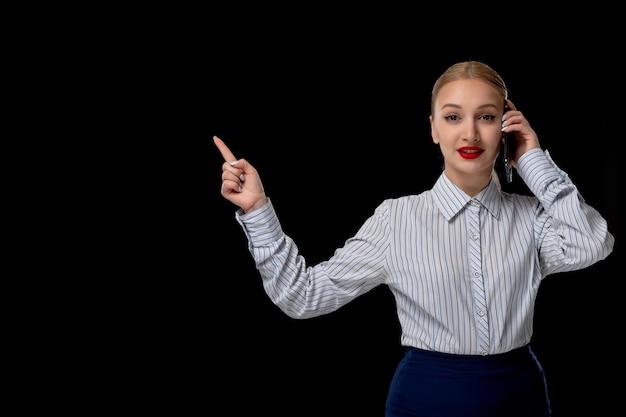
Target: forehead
x: 467, y: 93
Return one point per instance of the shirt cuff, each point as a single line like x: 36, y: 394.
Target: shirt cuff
x: 261, y: 226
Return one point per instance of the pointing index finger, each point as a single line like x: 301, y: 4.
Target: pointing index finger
x: 224, y: 150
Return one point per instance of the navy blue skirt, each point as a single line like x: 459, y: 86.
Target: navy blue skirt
x: 432, y: 384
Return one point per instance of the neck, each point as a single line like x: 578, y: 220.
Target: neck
x: 471, y: 185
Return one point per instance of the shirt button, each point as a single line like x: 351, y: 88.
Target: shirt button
x: 483, y: 352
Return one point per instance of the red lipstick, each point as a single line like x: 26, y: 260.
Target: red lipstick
x: 470, y: 152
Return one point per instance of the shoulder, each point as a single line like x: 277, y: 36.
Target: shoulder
x: 517, y: 201
x: 410, y: 202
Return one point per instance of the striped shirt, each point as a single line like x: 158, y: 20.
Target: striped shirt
x: 464, y: 271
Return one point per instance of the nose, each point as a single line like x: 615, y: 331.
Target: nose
x: 471, y: 132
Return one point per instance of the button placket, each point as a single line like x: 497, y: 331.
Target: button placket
x: 478, y: 284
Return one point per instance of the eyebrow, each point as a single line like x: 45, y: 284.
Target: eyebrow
x: 456, y: 106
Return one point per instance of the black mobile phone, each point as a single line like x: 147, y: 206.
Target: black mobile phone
x: 509, y: 143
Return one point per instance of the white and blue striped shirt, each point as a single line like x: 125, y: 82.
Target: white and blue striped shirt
x: 464, y: 271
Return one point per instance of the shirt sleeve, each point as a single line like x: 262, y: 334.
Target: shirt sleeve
x: 570, y: 234
x: 304, y: 291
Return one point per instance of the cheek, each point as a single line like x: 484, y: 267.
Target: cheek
x: 493, y: 136
x: 501, y: 141
x: 448, y: 138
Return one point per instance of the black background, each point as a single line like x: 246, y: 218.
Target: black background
x: 333, y: 112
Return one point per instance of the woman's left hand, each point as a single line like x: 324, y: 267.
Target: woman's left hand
x: 525, y: 137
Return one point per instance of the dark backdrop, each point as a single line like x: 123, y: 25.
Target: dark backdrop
x: 335, y: 118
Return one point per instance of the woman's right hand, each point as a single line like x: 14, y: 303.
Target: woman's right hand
x: 241, y: 184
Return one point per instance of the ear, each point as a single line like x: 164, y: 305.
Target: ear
x: 433, y: 130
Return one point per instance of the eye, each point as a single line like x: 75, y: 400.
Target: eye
x: 487, y: 117
x: 451, y: 117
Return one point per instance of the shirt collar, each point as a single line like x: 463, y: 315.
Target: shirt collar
x: 450, y: 199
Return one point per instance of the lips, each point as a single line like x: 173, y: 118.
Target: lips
x: 470, y: 152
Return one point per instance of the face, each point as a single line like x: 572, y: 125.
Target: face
x: 466, y: 124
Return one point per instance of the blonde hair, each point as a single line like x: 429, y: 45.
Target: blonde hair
x: 471, y: 70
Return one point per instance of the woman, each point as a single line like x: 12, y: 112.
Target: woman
x: 464, y: 260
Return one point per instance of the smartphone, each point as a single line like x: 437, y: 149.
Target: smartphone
x: 509, y: 143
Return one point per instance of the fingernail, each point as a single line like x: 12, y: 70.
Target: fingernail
x: 233, y: 163
x: 241, y: 177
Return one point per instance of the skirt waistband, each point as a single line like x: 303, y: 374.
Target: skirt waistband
x: 515, y: 356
